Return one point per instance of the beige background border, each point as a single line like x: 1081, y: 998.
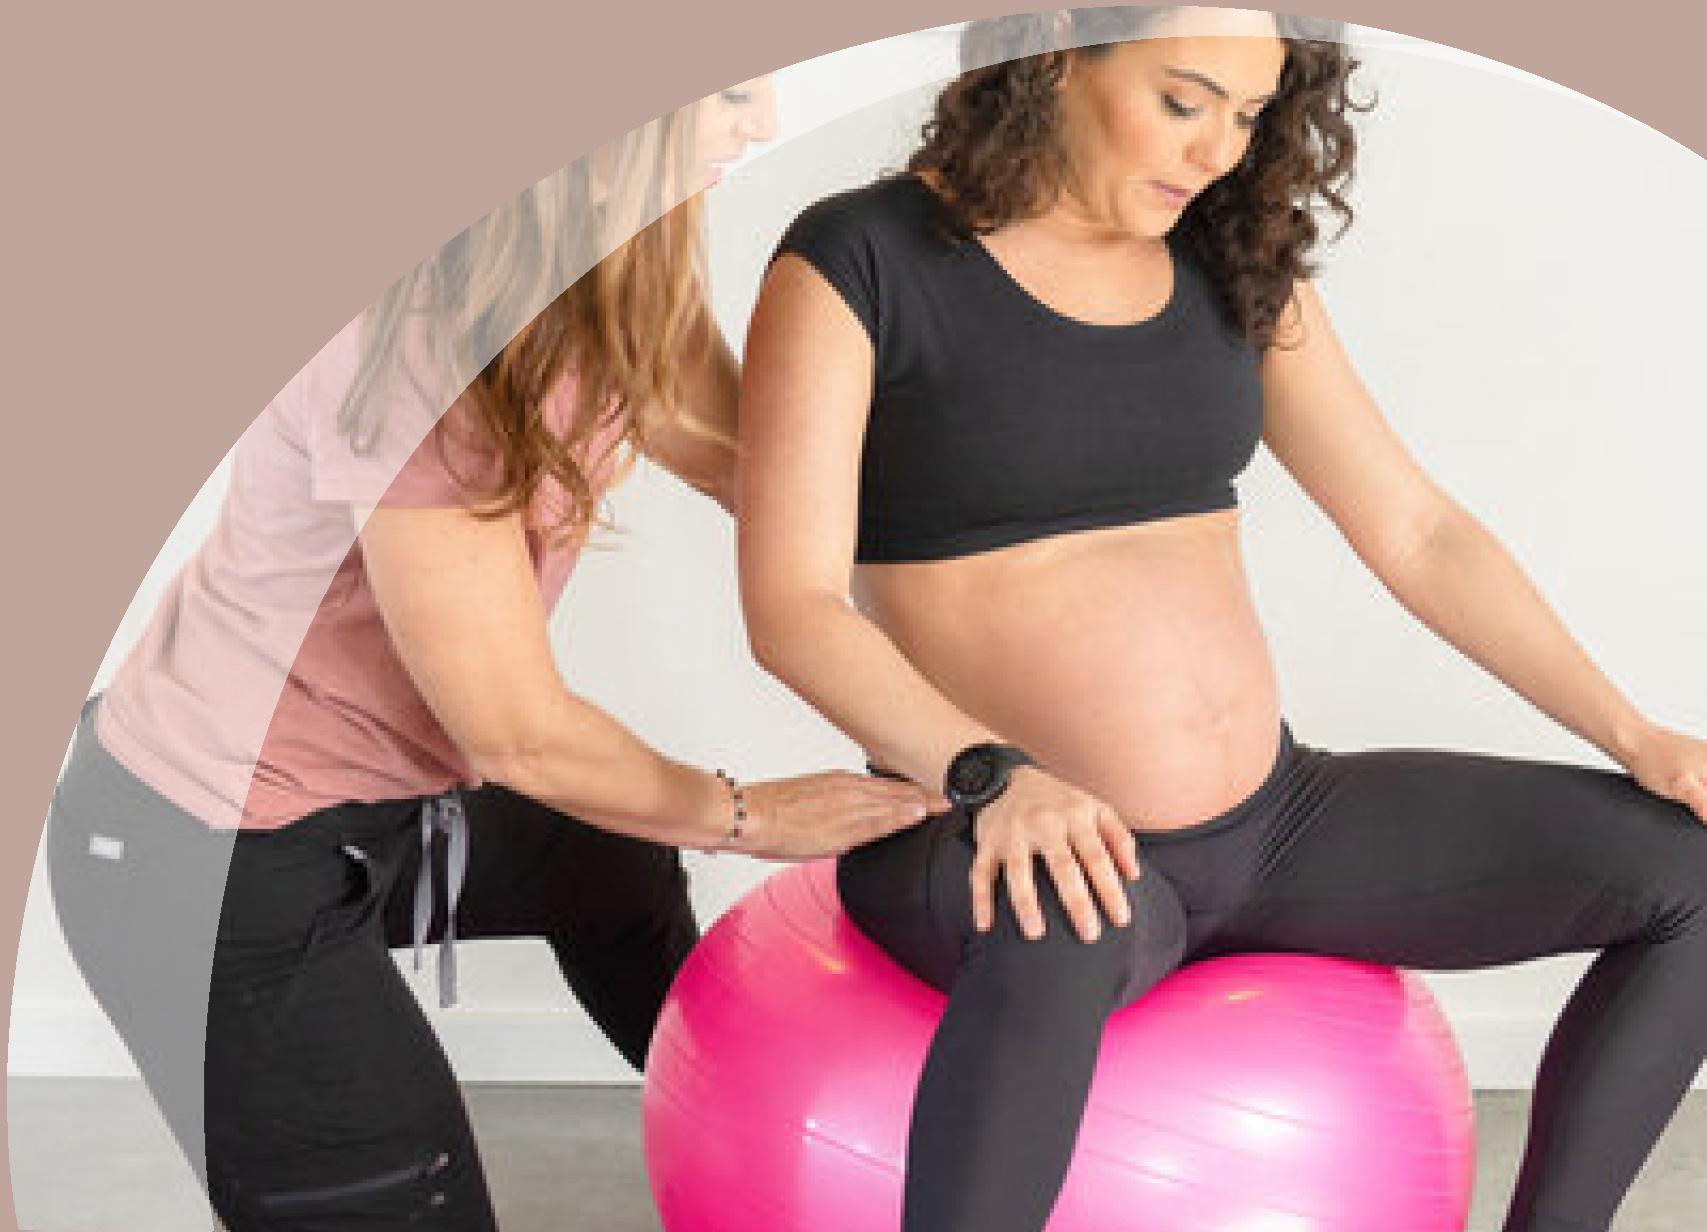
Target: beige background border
x: 193, y: 179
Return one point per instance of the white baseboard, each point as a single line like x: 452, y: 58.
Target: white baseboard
x: 1500, y: 1051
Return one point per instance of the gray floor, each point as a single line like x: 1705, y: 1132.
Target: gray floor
x: 568, y: 1159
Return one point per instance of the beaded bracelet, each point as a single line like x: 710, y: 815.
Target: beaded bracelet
x: 737, y: 825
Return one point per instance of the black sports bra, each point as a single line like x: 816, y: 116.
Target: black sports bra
x: 995, y: 419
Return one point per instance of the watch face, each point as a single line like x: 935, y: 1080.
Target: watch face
x: 973, y: 775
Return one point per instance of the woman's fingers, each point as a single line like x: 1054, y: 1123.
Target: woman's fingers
x: 1088, y: 853
x: 1695, y: 794
x: 1104, y: 874
x: 896, y: 805
x: 905, y: 802
x: 1069, y: 877
x: 1022, y: 890
x: 856, y: 809
x: 1089, y: 862
x: 985, y: 867
x: 1689, y: 788
x: 1121, y: 844
x: 826, y: 814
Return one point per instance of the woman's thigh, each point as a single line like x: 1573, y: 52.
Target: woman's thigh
x: 910, y: 892
x: 886, y: 888
x: 1443, y: 860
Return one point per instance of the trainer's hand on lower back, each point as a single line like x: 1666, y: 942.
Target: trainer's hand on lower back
x: 1084, y: 845
x: 814, y: 815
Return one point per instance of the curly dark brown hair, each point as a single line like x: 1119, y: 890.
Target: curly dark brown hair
x: 995, y: 144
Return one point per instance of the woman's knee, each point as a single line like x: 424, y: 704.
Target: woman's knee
x: 1114, y: 969
x: 1160, y: 934
x: 1674, y: 890
x: 911, y: 894
x: 1642, y: 851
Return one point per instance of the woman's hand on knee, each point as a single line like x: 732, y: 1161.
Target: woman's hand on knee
x: 815, y: 815
x: 1088, y: 851
x: 1671, y: 764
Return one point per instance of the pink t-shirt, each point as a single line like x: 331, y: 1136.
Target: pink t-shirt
x: 265, y: 686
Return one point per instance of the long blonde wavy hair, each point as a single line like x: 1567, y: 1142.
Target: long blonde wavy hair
x: 599, y: 266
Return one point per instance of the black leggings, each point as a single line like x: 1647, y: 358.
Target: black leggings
x: 322, y: 1099
x: 1418, y: 858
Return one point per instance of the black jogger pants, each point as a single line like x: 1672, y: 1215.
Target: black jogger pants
x: 251, y: 978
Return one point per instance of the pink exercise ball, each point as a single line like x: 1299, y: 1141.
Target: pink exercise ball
x: 1247, y: 1093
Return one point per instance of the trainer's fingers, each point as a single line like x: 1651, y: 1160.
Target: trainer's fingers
x: 914, y: 796
x: 881, y: 823
x: 871, y: 787
x: 1022, y: 890
x: 910, y: 802
x: 880, y: 793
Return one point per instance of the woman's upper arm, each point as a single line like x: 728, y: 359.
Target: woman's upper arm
x: 1321, y: 423
x: 698, y: 445
x: 461, y: 603
x: 806, y: 388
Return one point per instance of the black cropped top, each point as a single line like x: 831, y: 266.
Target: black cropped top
x: 995, y: 419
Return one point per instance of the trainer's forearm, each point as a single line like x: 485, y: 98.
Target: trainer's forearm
x: 844, y: 666
x: 1467, y: 587
x: 575, y: 758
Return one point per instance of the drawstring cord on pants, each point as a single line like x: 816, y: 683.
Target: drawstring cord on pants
x: 442, y: 812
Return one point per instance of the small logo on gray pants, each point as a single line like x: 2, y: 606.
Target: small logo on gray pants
x: 106, y: 848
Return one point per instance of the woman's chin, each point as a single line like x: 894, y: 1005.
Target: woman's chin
x: 1147, y: 222
x: 1140, y: 215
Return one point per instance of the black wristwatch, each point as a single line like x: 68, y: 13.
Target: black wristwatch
x: 980, y: 772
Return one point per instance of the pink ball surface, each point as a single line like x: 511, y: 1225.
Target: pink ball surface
x: 1247, y: 1093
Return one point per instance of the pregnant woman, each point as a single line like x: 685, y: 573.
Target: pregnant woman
x: 1001, y: 400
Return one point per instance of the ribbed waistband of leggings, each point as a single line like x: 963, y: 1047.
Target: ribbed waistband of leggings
x: 1285, y: 756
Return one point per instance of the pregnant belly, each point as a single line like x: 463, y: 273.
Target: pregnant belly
x: 1129, y: 661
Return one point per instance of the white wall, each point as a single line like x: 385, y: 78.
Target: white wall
x: 1521, y: 294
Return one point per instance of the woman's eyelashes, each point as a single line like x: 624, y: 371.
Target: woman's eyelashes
x: 1186, y: 112
x: 1175, y: 107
